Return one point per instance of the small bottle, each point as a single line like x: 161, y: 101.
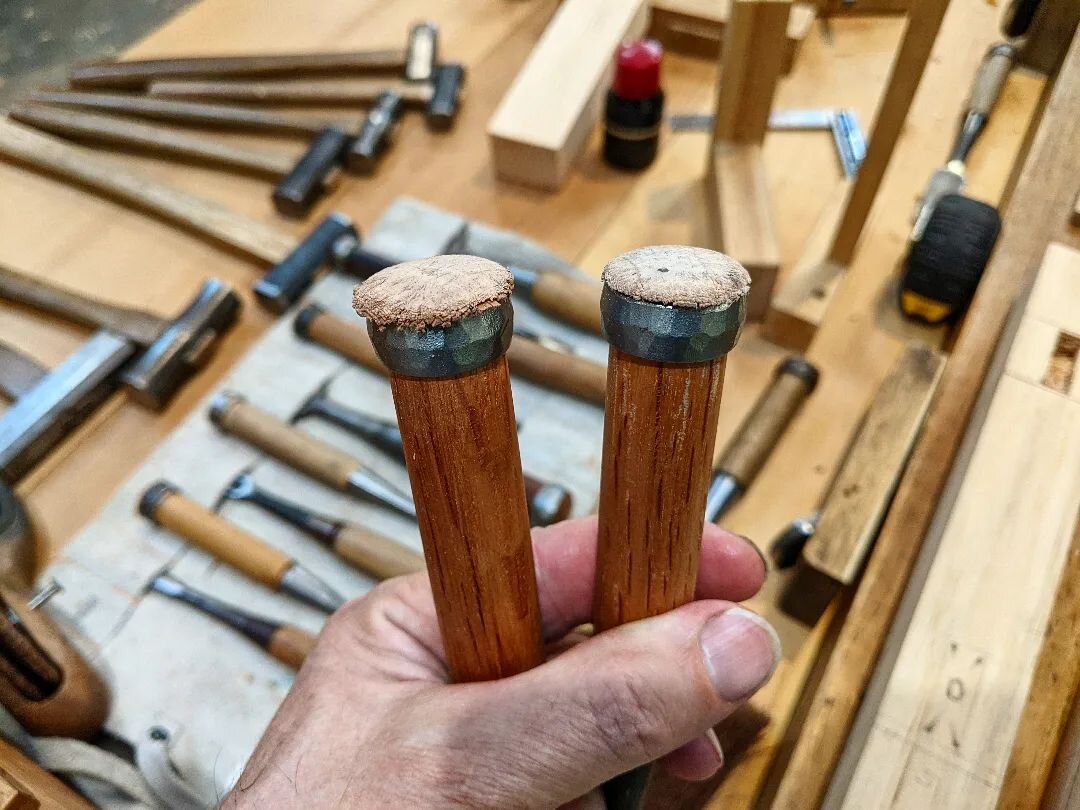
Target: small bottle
x: 635, y: 106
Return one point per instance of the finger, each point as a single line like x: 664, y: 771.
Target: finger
x: 696, y: 760
x: 730, y: 568
x: 622, y: 699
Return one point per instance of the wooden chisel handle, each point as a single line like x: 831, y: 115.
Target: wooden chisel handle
x: 561, y: 371
x: 290, y: 645
x: 137, y: 72
x: 793, y: 382
x: 376, y: 554
x: 570, y: 300
x: 83, y: 167
x: 558, y: 370
x: 300, y: 450
x: 319, y: 93
x: 158, y: 141
x: 168, y: 508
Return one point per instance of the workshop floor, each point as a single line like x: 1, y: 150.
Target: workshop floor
x: 40, y: 38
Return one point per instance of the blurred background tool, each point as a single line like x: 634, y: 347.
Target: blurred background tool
x: 953, y: 234
x: 234, y: 415
x: 164, y: 505
x: 286, y: 642
x: 369, y: 551
x: 793, y: 381
x: 548, y: 502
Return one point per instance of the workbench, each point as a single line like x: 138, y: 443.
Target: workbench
x: 95, y: 246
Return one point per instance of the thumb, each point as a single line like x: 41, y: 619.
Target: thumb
x: 621, y: 699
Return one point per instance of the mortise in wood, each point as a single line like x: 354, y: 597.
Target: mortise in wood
x: 461, y: 446
x: 659, y: 435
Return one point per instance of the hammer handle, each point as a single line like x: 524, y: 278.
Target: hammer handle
x: 558, y: 370
x: 137, y: 72
x: 157, y: 140
x: 570, y: 300
x: 319, y: 93
x: 83, y: 167
x: 222, y: 539
x: 744, y: 457
x: 193, y: 112
x: 290, y: 645
x: 376, y: 554
x: 287, y: 444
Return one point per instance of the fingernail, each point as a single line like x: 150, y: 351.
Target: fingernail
x: 758, y: 551
x: 714, y: 741
x: 741, y: 651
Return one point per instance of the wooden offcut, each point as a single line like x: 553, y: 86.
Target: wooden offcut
x: 544, y: 119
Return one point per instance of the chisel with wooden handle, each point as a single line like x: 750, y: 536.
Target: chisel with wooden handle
x: 369, y: 551
x: 560, y: 371
x: 571, y: 300
x: 166, y: 506
x: 300, y: 180
x: 415, y: 62
x: 305, y: 453
x: 286, y: 642
x: 294, y: 262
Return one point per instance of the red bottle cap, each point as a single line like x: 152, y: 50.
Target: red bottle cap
x: 637, y: 69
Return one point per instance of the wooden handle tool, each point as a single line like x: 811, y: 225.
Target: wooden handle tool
x: 305, y: 453
x: 166, y: 506
x: 794, y: 380
x: 560, y: 371
x: 287, y: 643
x: 671, y: 315
x: 441, y: 326
x: 320, y: 93
x: 369, y: 551
x: 572, y: 300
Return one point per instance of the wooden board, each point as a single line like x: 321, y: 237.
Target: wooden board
x: 545, y: 118
x: 942, y: 734
x: 1038, y: 206
x: 696, y: 27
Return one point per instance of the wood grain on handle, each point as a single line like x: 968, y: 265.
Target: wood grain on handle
x: 375, y: 553
x: 470, y: 505
x: 290, y: 645
x: 137, y: 72
x: 319, y: 93
x: 286, y: 443
x: 744, y: 457
x: 83, y: 167
x: 558, y: 370
x: 561, y: 371
x: 222, y: 539
x: 195, y: 113
x: 156, y: 140
x: 659, y: 431
x: 571, y: 300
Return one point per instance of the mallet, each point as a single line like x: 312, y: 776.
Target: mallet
x: 671, y: 315
x: 442, y: 326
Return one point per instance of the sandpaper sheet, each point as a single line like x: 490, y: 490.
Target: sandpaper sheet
x: 167, y: 664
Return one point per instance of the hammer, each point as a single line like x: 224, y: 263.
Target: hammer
x: 560, y: 371
x: 415, y: 62
x: 441, y: 326
x: 439, y: 97
x: 172, y: 351
x: 548, y: 503
x: 671, y: 315
x: 300, y: 181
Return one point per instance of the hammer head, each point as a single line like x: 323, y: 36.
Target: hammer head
x: 314, y: 173
x: 446, y: 93
x: 184, y: 346
x: 284, y: 283
x: 422, y: 52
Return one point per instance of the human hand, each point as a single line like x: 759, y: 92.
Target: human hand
x: 372, y: 722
